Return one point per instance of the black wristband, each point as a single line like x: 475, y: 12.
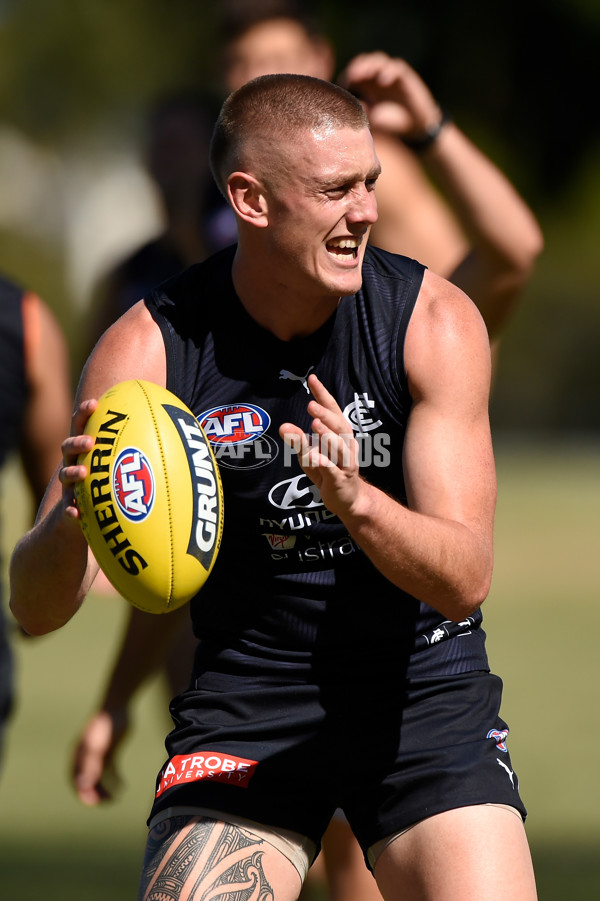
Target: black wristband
x: 430, y: 136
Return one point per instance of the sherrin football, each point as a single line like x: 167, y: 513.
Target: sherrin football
x: 151, y: 505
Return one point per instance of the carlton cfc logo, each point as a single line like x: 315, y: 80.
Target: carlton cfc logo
x: 133, y: 484
x: 234, y: 424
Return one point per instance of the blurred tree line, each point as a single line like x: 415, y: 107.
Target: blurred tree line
x: 516, y: 76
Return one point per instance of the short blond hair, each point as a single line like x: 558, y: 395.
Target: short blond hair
x: 275, y: 108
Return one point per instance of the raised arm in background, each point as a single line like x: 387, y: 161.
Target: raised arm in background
x: 503, y: 238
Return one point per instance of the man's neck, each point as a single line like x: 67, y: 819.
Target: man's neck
x: 285, y: 314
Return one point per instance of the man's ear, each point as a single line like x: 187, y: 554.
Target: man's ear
x: 247, y: 197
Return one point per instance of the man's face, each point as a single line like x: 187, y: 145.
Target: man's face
x: 321, y: 202
x: 273, y: 47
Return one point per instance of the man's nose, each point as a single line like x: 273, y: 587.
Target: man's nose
x: 364, y: 208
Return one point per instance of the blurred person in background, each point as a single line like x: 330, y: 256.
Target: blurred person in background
x: 478, y: 232
x: 196, y: 219
x: 35, y: 409
x: 196, y: 223
x: 480, y: 235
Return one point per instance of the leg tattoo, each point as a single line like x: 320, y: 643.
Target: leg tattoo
x: 203, y: 860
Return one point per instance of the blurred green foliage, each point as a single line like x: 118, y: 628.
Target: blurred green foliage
x: 66, y: 64
x: 515, y: 77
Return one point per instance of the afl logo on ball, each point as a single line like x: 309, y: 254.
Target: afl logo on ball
x: 234, y: 424
x: 133, y: 484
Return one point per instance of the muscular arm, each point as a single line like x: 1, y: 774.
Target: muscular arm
x: 414, y: 218
x: 51, y: 568
x: 504, y: 236
x: 439, y: 547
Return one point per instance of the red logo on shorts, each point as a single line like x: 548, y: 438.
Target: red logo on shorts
x: 185, y: 768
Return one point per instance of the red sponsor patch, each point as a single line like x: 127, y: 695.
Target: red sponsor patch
x: 185, y: 768
x: 280, y: 541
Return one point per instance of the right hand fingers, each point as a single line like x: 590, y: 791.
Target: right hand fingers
x: 77, y: 443
x: 71, y: 449
x: 81, y: 415
x: 71, y: 472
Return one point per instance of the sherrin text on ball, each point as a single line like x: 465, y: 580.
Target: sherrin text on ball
x: 151, y: 504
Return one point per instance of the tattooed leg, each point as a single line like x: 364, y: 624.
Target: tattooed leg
x: 199, y: 859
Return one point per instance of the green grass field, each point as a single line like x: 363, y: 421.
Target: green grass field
x: 542, y: 619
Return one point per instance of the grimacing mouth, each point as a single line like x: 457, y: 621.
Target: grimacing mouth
x: 343, y: 248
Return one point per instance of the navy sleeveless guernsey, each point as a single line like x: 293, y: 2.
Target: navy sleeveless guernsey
x: 291, y: 595
x: 13, y: 395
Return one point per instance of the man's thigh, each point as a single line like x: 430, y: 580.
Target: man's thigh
x: 190, y: 857
x: 467, y: 854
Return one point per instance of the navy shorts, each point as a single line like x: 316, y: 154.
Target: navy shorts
x: 288, y: 755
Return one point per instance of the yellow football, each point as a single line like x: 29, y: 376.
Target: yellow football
x: 151, y: 504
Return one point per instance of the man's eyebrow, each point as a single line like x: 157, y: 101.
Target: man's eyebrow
x: 348, y: 178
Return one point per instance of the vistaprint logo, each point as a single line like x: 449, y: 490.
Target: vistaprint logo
x: 363, y: 448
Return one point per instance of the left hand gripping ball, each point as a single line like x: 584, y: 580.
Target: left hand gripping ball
x: 151, y: 505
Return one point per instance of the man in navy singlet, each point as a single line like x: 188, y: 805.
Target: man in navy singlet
x: 340, y: 660
x: 35, y: 407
